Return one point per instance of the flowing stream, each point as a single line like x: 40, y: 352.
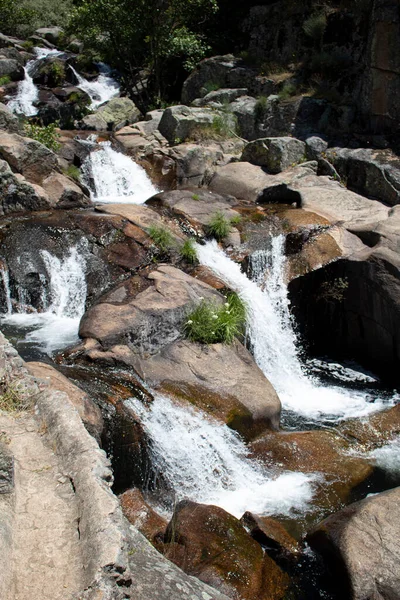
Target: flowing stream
x: 27, y: 93
x: 210, y: 463
x: 114, y: 177
x: 101, y: 89
x: 273, y: 340
x: 63, y: 299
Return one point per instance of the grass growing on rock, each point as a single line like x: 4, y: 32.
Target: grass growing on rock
x: 188, y: 252
x: 11, y: 399
x: 219, y: 226
x: 209, y: 323
x: 161, y: 237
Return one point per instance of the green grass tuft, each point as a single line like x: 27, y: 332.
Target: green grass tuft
x: 209, y: 323
x: 219, y: 226
x: 188, y: 251
x: 161, y: 237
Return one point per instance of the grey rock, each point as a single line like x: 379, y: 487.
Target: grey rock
x: 51, y: 34
x: 361, y: 543
x: 181, y: 122
x: 63, y: 192
x: 6, y: 470
x: 16, y: 194
x: 12, y: 68
x: 220, y: 96
x: 276, y: 154
x: 112, y: 116
x: 193, y: 161
x: 8, y: 121
x: 315, y: 146
x: 244, y: 109
x: 28, y: 157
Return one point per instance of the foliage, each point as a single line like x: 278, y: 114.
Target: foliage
x: 23, y: 18
x: 55, y: 72
x: 260, y: 108
x: 211, y: 86
x: 288, y: 90
x: 161, y: 237
x: 11, y: 399
x: 219, y: 226
x: 188, y: 252
x: 195, y: 197
x: 14, y: 17
x: 28, y: 45
x: 73, y: 172
x: 140, y: 38
x: 333, y: 290
x: 209, y: 323
x: 47, y: 135
x: 5, y: 79
x: 314, y: 27
x: 236, y: 220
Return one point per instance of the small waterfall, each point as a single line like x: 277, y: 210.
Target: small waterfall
x: 6, y: 286
x: 56, y: 327
x: 208, y: 463
x: 27, y: 92
x: 387, y: 457
x: 102, y: 89
x: 114, y: 177
x: 272, y: 338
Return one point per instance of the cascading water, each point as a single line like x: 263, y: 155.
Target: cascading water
x: 114, y: 177
x: 56, y: 327
x: 100, y: 90
x: 27, y: 93
x: 6, y: 287
x: 388, y: 457
x: 210, y: 463
x: 272, y: 338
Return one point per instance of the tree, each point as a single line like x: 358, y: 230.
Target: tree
x: 14, y: 17
x: 139, y: 37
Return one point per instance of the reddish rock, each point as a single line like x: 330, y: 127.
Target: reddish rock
x: 141, y: 515
x: 271, y: 533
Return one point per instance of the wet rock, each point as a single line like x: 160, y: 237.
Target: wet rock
x: 276, y: 154
x: 88, y: 411
x: 221, y: 380
x: 180, y: 123
x: 270, y: 533
x: 211, y: 544
x: 141, y: 515
x: 151, y: 319
x: 28, y: 157
x: 63, y: 192
x: 6, y: 470
x: 112, y: 116
x: 361, y: 545
x: 321, y: 452
x: 8, y: 121
x: 374, y: 430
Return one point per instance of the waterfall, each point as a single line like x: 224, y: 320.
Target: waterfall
x: 102, y: 89
x: 114, y: 177
x: 207, y: 462
x: 273, y: 340
x: 6, y: 286
x: 64, y: 303
x: 387, y: 457
x: 27, y: 92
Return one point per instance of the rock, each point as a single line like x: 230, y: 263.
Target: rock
x: 210, y: 543
x: 8, y: 121
x: 315, y: 146
x: 6, y: 470
x: 373, y: 431
x: 321, y: 452
x: 222, y: 96
x: 270, y: 533
x: 194, y: 161
x: 179, y: 123
x: 152, y: 319
x: 51, y: 34
x: 112, y: 116
x: 52, y: 71
x: 28, y: 157
x: 16, y: 194
x: 141, y: 515
x: 88, y: 411
x: 373, y: 173
x: 219, y: 379
x: 241, y: 180
x: 244, y: 109
x: 276, y: 154
x: 63, y: 192
x: 361, y: 545
x: 11, y: 68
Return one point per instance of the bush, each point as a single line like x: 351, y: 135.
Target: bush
x: 260, y: 108
x: 209, y: 323
x: 5, y: 79
x: 314, y: 27
x: 73, y: 172
x: 161, y: 237
x: 55, y: 72
x: 288, y: 90
x: 219, y: 226
x: 188, y: 252
x: 47, y: 135
x: 236, y: 220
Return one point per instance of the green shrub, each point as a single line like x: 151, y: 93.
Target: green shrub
x: 28, y: 45
x: 161, y: 237
x: 11, y: 399
x: 195, y: 197
x: 223, y: 125
x: 314, y: 27
x: 56, y: 73
x: 211, y: 86
x: 5, y: 79
x: 219, y: 227
x: 47, y: 135
x: 288, y: 90
x: 73, y: 172
x: 260, y: 108
x: 209, y: 323
x: 236, y: 220
x: 188, y: 251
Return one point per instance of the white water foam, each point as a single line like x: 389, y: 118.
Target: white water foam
x: 6, y: 287
x: 207, y: 462
x: 273, y: 340
x: 388, y: 457
x: 101, y: 89
x: 113, y: 177
x: 27, y: 92
x: 56, y: 327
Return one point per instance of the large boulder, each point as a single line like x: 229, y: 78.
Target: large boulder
x: 140, y: 514
x: 112, y: 116
x: 208, y: 542
x: 11, y: 68
x: 63, y: 192
x: 51, y: 34
x: 8, y: 121
x: 219, y: 97
x: 28, y: 157
x: 241, y: 180
x: 275, y: 154
x: 361, y: 544
x: 17, y: 194
x: 179, y: 123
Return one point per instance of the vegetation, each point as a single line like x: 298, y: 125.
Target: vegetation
x: 46, y: 135
x: 236, y: 220
x: 260, y: 108
x: 73, y: 172
x: 209, y: 323
x: 288, y: 90
x: 314, y: 27
x: 161, y: 237
x: 333, y: 290
x: 219, y: 226
x: 22, y: 18
x: 5, y: 79
x: 188, y: 252
x: 11, y: 399
x: 55, y: 72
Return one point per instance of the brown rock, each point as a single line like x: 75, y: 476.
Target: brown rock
x: 211, y: 544
x: 241, y: 180
x: 28, y: 157
x: 269, y: 532
x: 88, y: 411
x: 374, y: 430
x: 141, y: 515
x: 63, y: 192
